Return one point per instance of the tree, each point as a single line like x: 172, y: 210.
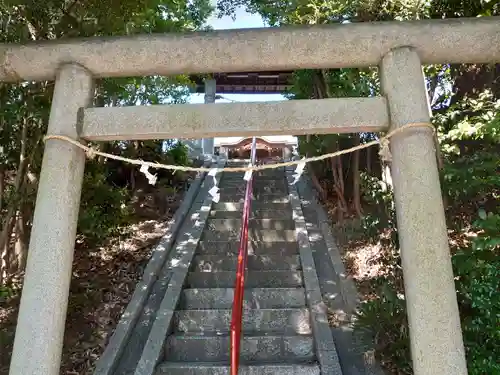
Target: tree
x: 111, y: 191
x: 465, y: 103
x: 26, y: 106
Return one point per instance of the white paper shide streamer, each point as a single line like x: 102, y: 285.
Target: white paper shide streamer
x: 248, y: 174
x: 214, y: 191
x: 298, y: 171
x: 152, y: 178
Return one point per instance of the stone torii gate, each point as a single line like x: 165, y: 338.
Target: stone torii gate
x: 398, y: 48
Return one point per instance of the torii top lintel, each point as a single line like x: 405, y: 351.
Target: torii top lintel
x: 461, y: 40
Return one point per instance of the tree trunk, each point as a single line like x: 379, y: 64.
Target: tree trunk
x: 5, y: 246
x: 387, y: 185
x: 440, y: 163
x: 368, y: 160
x: 340, y: 174
x: 356, y: 179
x: 9, y: 222
x: 338, y: 187
x: 2, y: 187
x: 386, y: 177
x: 439, y: 155
x: 132, y: 180
x: 21, y: 242
x: 103, y: 147
x: 317, y: 185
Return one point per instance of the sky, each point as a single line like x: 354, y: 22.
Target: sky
x: 243, y: 20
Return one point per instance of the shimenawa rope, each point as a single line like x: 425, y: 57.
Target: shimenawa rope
x: 384, y: 152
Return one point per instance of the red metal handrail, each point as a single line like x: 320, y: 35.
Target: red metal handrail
x: 237, y: 313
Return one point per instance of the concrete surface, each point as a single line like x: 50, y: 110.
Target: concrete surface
x: 433, y: 318
x: 135, y: 309
x: 183, y: 253
x: 44, y: 300
x: 222, y: 298
x: 464, y: 40
x: 322, y: 116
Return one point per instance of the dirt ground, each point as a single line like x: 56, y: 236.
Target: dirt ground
x: 103, y: 281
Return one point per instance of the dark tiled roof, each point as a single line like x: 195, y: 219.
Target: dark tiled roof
x: 247, y: 82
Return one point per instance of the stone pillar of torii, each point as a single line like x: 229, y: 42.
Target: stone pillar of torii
x: 210, y: 92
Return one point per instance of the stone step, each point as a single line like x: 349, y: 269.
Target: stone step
x: 256, y: 177
x: 261, y: 188
x: 262, y: 199
x: 285, y: 214
x: 257, y: 189
x: 259, y: 210
x: 269, y: 186
x: 281, y: 184
x: 226, y: 248
x: 180, y: 368
x: 274, y: 174
x: 261, y: 173
x: 222, y: 298
x: 285, y: 321
x: 255, y: 279
x: 260, y: 193
x: 230, y: 224
x: 240, y: 199
x: 256, y: 206
x: 268, y: 183
x: 262, y: 235
x: 209, y: 263
x: 215, y: 348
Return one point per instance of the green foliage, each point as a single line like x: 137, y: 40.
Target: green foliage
x: 103, y: 208
x: 385, y: 319
x: 477, y: 271
x: 380, y: 214
x: 471, y: 182
x: 471, y: 119
x: 131, y: 91
x: 468, y: 132
x: 27, y: 105
x: 178, y: 154
x: 5, y: 293
x: 470, y: 178
x: 61, y: 18
x: 106, y: 204
x: 478, y: 282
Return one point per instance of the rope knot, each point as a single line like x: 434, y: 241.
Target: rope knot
x: 90, y: 152
x: 385, y: 152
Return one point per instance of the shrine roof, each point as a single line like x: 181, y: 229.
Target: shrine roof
x: 247, y: 82
x: 271, y: 139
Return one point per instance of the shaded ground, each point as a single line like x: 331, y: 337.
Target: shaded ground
x: 365, y: 261
x: 103, y: 280
x: 362, y: 257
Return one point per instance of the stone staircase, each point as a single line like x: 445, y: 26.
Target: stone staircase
x: 178, y: 318
x: 277, y: 330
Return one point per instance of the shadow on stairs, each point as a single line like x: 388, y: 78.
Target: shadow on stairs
x: 179, y: 317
